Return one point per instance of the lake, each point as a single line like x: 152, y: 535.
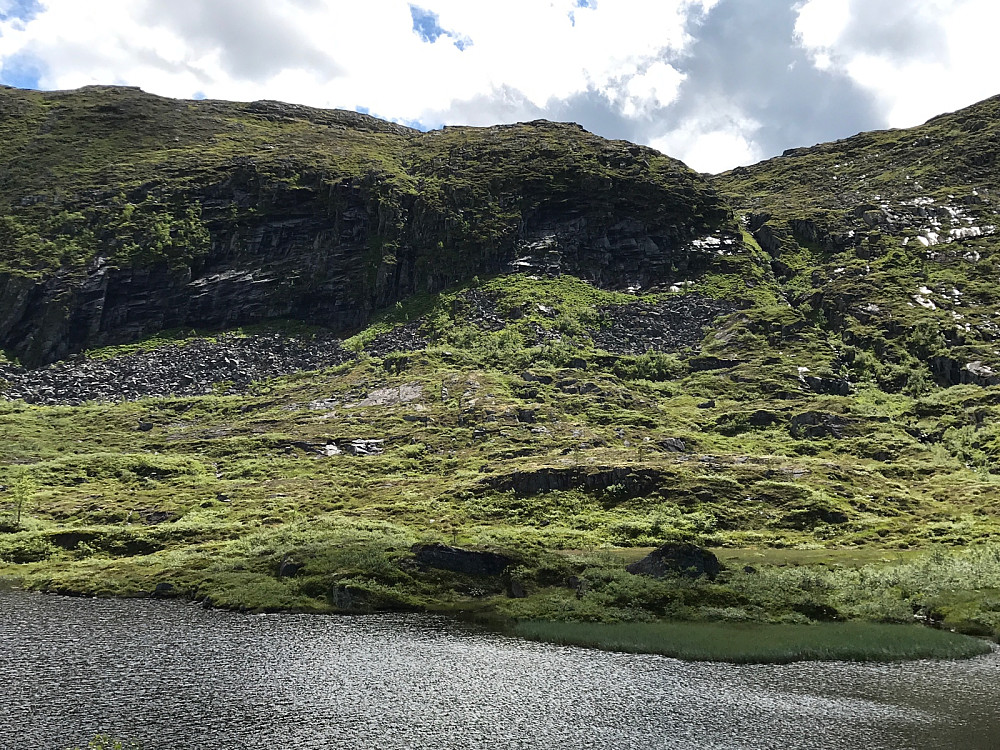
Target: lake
x: 176, y: 676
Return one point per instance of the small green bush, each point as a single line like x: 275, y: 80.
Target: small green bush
x: 107, y: 742
x: 26, y: 548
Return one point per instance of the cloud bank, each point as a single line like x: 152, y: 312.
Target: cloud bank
x: 715, y: 83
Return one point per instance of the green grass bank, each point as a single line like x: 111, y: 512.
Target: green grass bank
x: 760, y: 643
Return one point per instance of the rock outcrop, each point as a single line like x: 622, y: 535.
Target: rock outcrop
x: 458, y: 560
x: 319, y: 216
x: 629, y: 481
x: 677, y: 559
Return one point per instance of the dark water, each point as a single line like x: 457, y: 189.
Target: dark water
x: 175, y: 676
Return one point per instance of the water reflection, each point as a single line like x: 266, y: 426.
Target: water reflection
x: 176, y: 676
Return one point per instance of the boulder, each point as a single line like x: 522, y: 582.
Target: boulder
x: 163, y: 589
x: 347, y: 598
x: 526, y: 416
x: 514, y: 587
x: 530, y: 377
x: 763, y: 418
x: 458, y: 560
x: 979, y: 374
x: 673, y: 445
x: 831, y: 386
x: 153, y: 517
x: 816, y: 424
x: 364, y: 447
x: 289, y: 568
x: 677, y: 559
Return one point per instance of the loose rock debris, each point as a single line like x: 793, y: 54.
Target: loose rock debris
x: 668, y: 326
x: 226, y: 365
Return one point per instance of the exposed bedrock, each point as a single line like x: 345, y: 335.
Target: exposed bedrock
x: 296, y: 231
x: 312, y: 268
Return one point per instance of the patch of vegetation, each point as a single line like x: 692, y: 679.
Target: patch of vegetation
x: 755, y: 644
x: 519, y: 455
x: 832, y: 435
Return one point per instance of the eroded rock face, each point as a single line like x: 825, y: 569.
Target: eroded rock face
x: 677, y: 559
x: 288, y: 231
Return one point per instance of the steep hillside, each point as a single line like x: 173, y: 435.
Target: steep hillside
x: 125, y: 214
x: 888, y: 242
x: 333, y: 364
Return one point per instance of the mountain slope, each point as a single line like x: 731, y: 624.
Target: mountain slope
x: 565, y: 351
x: 888, y: 240
x: 126, y: 213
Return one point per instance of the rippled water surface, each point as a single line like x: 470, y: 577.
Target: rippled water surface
x: 175, y: 676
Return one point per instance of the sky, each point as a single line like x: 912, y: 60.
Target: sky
x: 715, y: 83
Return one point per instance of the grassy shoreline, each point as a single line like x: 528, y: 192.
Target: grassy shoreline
x: 757, y: 643
x: 957, y: 590
x: 688, y: 640
x: 561, y: 458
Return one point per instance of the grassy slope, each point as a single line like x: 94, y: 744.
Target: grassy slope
x: 245, y: 492
x: 73, y: 161
x: 902, y: 501
x: 888, y: 242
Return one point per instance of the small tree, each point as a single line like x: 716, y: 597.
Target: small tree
x: 22, y: 490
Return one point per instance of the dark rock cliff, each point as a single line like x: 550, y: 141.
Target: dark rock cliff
x: 211, y: 214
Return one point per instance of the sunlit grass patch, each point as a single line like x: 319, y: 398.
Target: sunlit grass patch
x: 760, y: 643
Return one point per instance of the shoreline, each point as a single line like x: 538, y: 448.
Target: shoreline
x: 686, y: 640
x: 763, y: 643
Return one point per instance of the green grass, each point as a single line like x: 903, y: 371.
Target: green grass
x: 889, y: 515
x: 222, y: 488
x: 757, y: 644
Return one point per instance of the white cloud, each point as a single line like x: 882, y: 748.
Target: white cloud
x: 821, y: 22
x: 350, y: 54
x: 720, y: 139
x: 654, y: 88
x: 919, y: 58
x: 517, y: 60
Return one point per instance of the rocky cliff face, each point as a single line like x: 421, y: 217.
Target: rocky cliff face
x: 888, y: 241
x: 125, y: 214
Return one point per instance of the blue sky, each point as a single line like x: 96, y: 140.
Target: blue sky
x: 714, y: 82
x: 19, y: 70
x: 427, y: 26
x: 22, y: 10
